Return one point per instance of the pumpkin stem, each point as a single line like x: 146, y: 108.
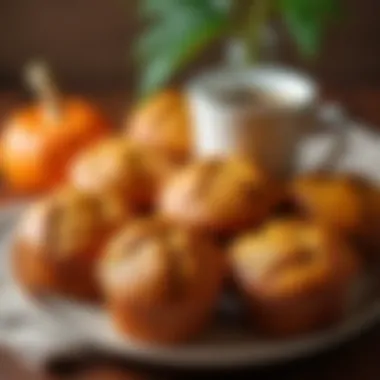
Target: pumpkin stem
x: 39, y: 78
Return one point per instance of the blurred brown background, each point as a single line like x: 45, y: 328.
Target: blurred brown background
x: 88, y: 42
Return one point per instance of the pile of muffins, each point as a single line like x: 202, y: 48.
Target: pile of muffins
x: 158, y: 236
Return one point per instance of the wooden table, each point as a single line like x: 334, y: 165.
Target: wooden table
x: 358, y: 360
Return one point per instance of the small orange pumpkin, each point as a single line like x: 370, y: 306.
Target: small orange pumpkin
x: 37, y: 145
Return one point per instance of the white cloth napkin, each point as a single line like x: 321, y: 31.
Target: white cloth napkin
x: 38, y: 338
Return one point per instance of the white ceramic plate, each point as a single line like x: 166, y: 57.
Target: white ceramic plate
x: 228, y: 343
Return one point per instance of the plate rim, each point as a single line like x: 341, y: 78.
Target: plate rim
x: 177, y: 357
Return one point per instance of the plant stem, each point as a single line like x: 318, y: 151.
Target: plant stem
x: 258, y: 16
x: 39, y: 79
x: 236, y: 25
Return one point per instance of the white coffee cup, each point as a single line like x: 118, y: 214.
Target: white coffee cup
x: 273, y: 134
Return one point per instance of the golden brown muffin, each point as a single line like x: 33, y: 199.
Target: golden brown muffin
x: 161, y: 282
x: 222, y: 196
x: 162, y: 123
x: 348, y: 204
x: 296, y: 276
x: 334, y: 200
x: 59, y: 240
x: 120, y: 167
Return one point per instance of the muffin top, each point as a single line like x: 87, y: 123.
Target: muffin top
x: 69, y: 222
x: 152, y: 262
x: 162, y: 123
x: 289, y: 256
x: 338, y: 201
x: 220, y: 195
x: 119, y: 166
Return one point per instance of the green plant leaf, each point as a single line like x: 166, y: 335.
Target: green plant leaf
x: 165, y: 30
x: 164, y: 8
x: 175, y: 45
x: 157, y: 38
x: 179, y: 31
x: 307, y: 21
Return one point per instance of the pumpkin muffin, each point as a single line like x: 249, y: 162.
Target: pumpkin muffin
x: 296, y: 276
x: 59, y: 240
x: 222, y: 196
x: 348, y: 204
x: 121, y: 167
x: 162, y: 123
x: 161, y: 282
x: 335, y: 200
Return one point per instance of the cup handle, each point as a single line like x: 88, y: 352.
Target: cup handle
x: 332, y: 127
